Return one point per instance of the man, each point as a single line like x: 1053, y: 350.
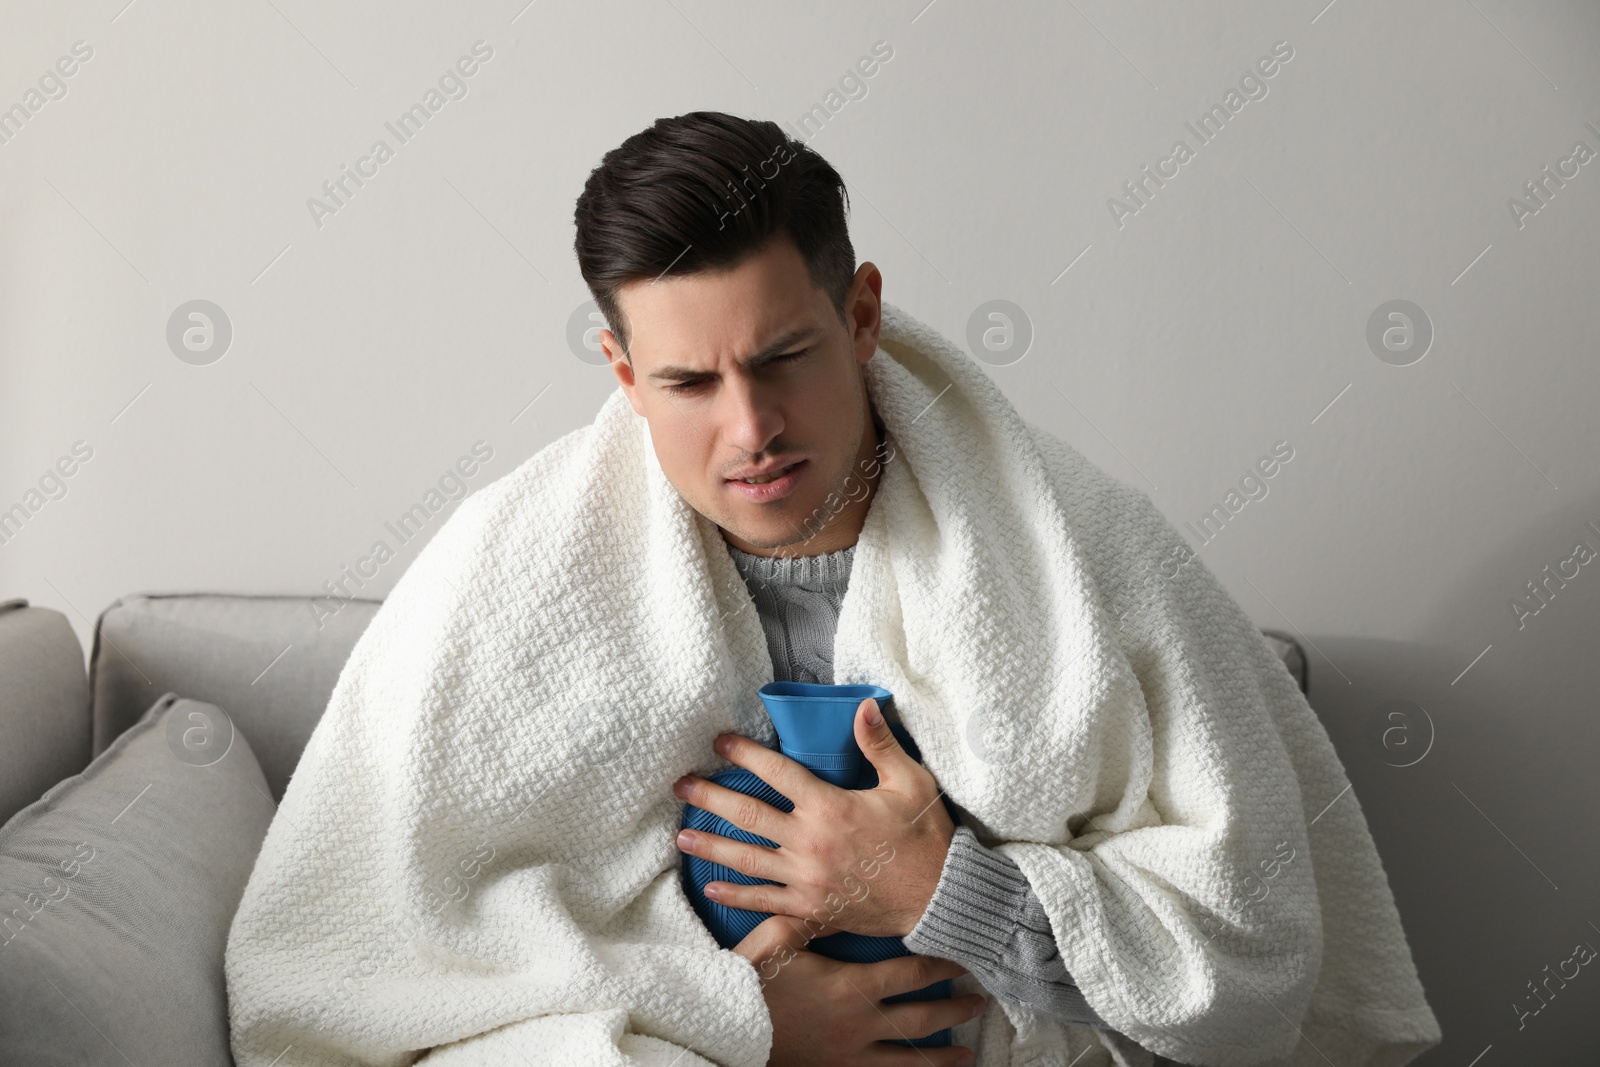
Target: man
x: 477, y: 859
x: 747, y: 362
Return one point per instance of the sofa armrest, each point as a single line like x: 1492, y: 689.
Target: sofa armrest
x: 1292, y: 655
x: 44, y: 704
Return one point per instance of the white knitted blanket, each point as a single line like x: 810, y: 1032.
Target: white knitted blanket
x: 474, y: 862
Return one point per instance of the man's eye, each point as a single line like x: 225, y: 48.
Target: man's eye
x: 689, y: 387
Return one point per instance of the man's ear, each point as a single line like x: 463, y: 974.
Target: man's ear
x: 866, y: 305
x: 621, y: 367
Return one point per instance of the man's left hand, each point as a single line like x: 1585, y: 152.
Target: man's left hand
x: 862, y: 860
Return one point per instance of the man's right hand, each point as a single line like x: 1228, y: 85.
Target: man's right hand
x: 827, y: 1012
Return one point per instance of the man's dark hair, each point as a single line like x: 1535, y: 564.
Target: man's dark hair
x: 700, y: 192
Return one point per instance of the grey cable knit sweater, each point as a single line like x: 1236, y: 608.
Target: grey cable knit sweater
x: 984, y: 914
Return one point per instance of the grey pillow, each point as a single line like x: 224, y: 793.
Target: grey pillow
x: 117, y: 888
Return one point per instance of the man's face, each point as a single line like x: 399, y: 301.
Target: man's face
x: 715, y: 411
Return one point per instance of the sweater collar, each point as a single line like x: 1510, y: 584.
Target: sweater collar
x: 791, y: 570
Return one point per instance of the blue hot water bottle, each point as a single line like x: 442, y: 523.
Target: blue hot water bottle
x: 815, y: 725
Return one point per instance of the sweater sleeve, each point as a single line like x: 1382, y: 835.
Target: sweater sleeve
x: 984, y: 915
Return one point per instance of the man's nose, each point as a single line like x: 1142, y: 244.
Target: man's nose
x: 750, y: 416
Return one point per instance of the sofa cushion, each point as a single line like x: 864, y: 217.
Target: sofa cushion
x: 44, y: 703
x: 271, y: 661
x: 117, y: 889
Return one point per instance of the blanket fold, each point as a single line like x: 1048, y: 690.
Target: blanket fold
x: 474, y: 860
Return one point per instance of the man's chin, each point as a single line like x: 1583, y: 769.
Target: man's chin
x: 764, y: 540
x: 773, y: 532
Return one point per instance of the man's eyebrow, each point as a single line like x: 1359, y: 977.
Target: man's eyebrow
x: 766, y: 355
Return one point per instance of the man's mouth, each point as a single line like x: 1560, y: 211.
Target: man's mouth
x: 772, y: 485
x: 764, y: 479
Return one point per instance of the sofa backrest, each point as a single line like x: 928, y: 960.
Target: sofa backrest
x: 269, y: 662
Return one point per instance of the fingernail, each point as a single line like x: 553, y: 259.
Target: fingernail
x: 873, y: 716
x: 681, y: 787
x: 714, y: 892
x: 686, y: 839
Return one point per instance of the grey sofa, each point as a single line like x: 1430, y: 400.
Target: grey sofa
x: 134, y: 796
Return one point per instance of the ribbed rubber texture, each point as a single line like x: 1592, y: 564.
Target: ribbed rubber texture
x: 731, y: 925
